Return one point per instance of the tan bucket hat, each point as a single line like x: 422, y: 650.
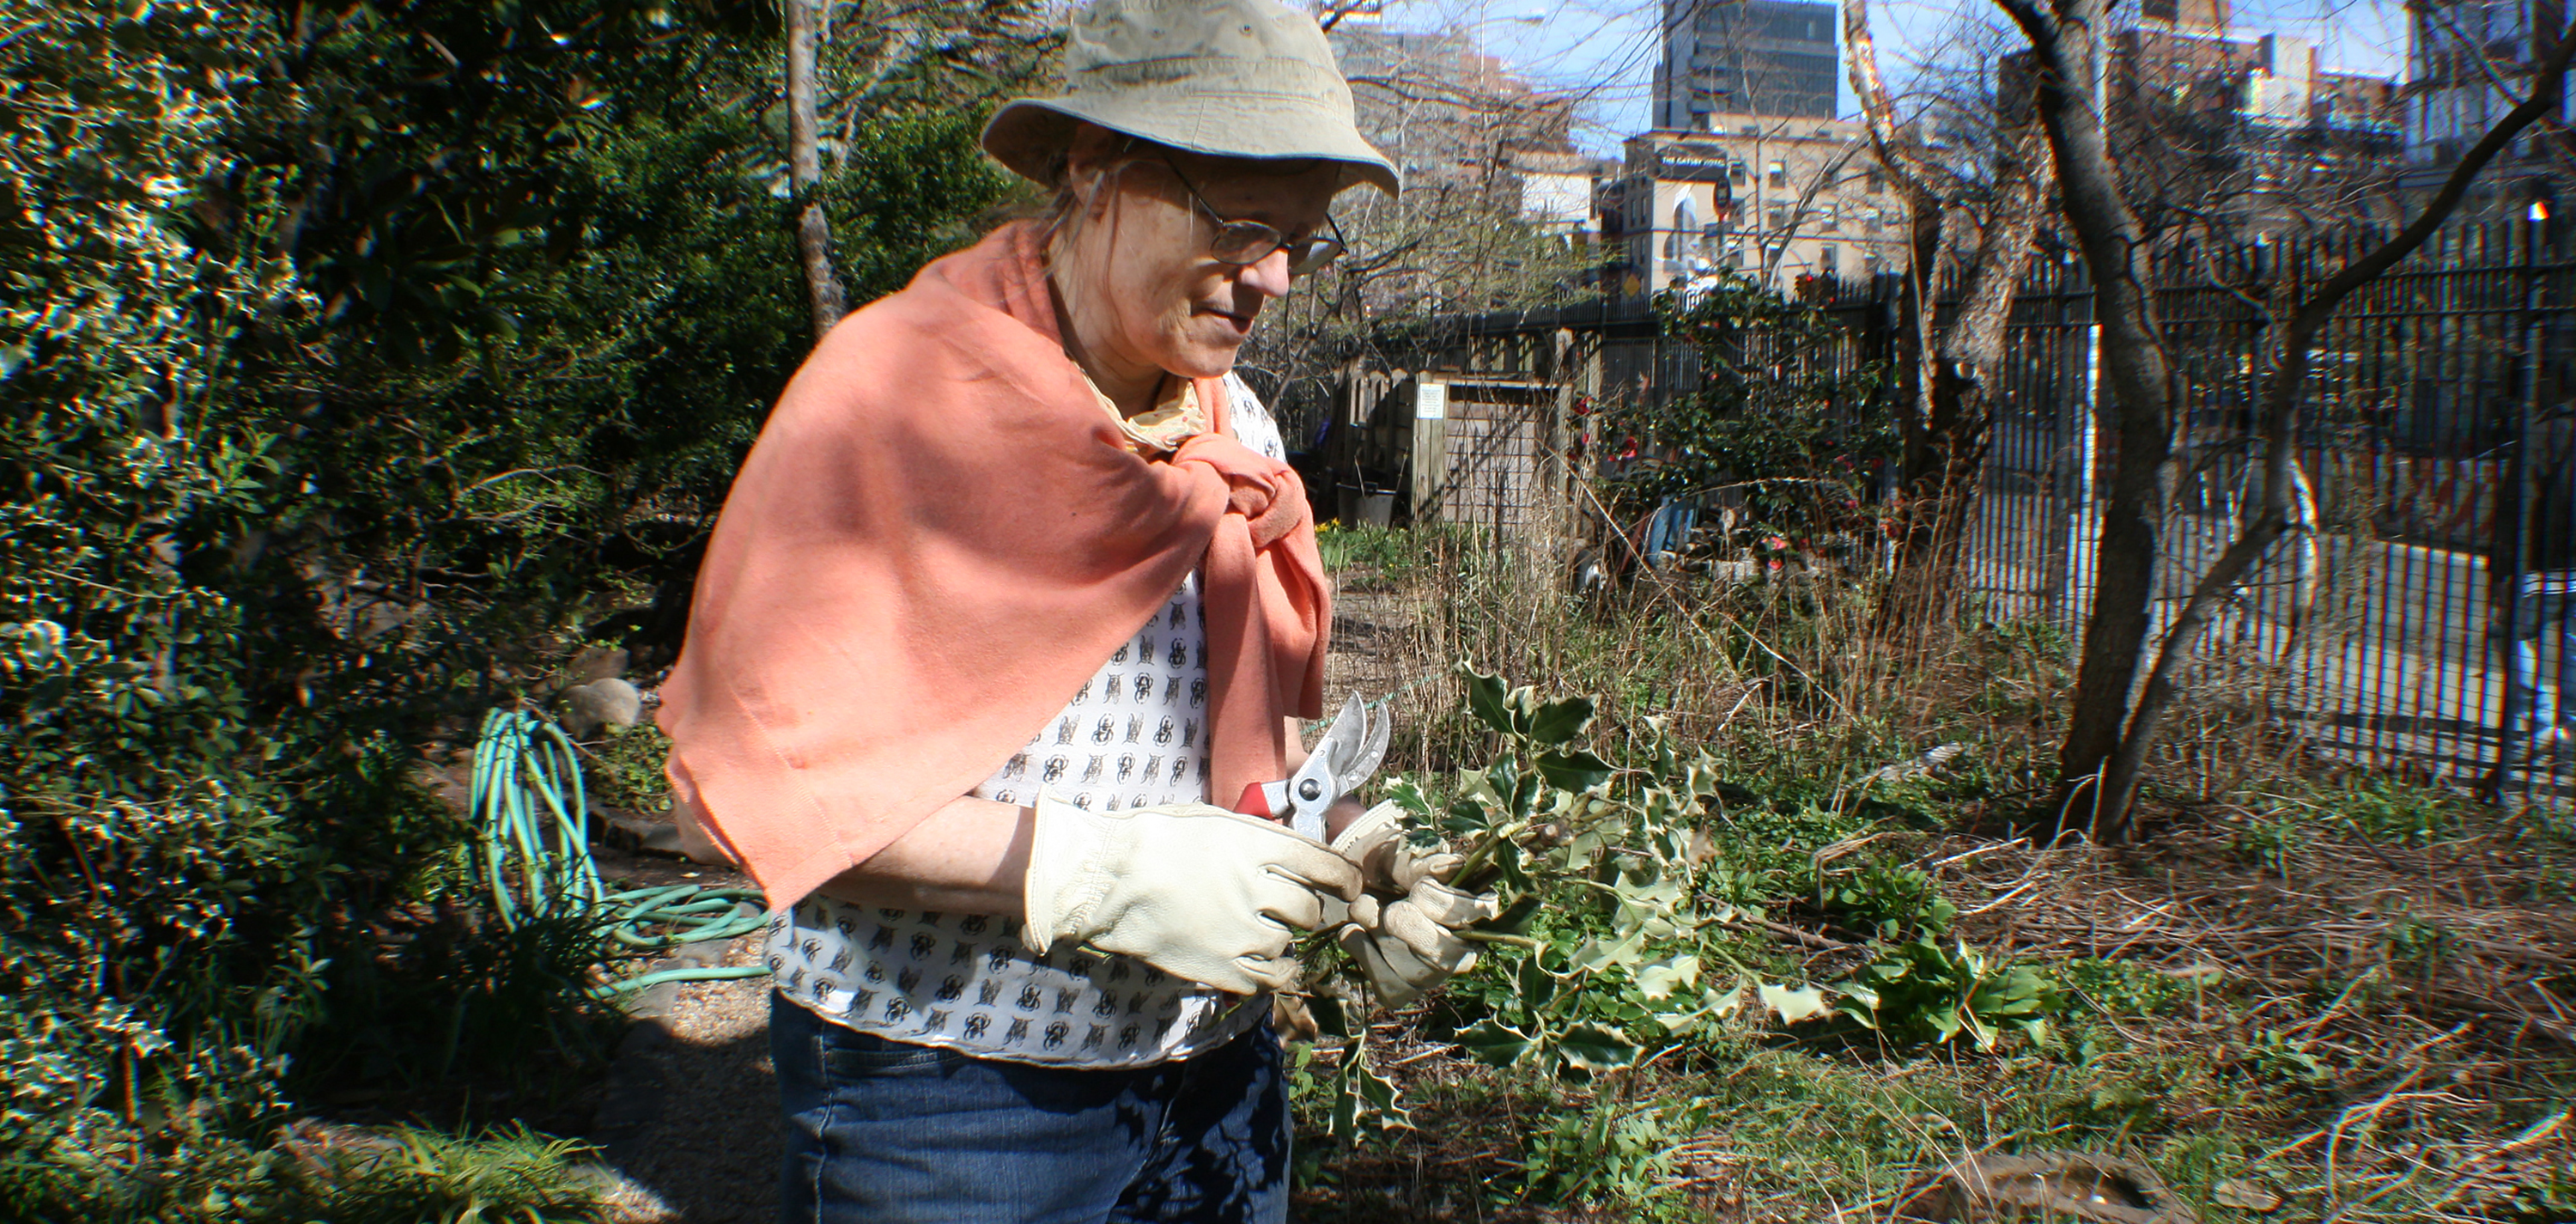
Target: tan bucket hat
x: 1228, y: 78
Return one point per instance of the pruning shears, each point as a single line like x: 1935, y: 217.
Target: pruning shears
x: 1341, y: 762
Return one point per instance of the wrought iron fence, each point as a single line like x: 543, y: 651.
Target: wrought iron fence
x: 2419, y: 617
x: 2401, y: 625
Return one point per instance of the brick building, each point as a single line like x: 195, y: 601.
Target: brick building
x: 1772, y: 197
x: 2467, y: 63
x: 2255, y: 133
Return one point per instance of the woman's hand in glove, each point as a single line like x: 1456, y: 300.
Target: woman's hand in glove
x: 1196, y: 891
x: 1402, y: 933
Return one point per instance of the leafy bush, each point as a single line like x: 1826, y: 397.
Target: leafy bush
x: 1785, y: 415
x: 1596, y: 950
x: 1885, y: 900
x: 625, y: 769
x: 414, y: 1176
x: 1615, y: 1151
x: 357, y: 361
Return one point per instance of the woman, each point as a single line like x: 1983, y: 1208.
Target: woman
x: 1013, y: 583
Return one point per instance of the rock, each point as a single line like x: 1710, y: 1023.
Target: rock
x: 628, y: 831
x: 610, y: 702
x: 2047, y: 1185
x: 1919, y: 766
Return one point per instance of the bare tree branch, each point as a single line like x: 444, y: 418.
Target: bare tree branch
x: 805, y: 172
x: 1861, y: 51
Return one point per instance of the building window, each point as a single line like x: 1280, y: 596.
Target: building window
x: 1735, y: 171
x: 1876, y: 180
x: 1833, y: 217
x: 1829, y: 258
x: 1872, y: 220
x: 1778, y: 174
x: 1753, y: 129
x: 1779, y: 217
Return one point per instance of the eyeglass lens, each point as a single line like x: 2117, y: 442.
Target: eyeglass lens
x: 1250, y: 242
x: 1243, y: 243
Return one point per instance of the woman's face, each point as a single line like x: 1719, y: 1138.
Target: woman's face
x: 1139, y: 284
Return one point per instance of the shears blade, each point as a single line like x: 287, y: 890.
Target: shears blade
x: 1340, y: 764
x: 1342, y: 761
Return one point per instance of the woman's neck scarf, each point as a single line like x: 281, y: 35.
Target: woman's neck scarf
x: 935, y: 541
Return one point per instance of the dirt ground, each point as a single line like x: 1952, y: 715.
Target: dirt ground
x: 690, y: 1124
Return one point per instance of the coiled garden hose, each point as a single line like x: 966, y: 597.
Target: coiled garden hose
x: 533, y: 852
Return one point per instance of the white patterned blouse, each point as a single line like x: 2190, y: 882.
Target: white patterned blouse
x: 1135, y: 735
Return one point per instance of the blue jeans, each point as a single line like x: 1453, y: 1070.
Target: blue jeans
x: 2540, y: 650
x: 882, y: 1132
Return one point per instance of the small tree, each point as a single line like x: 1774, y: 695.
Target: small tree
x: 1970, y: 226
x: 805, y: 170
x: 2115, y: 717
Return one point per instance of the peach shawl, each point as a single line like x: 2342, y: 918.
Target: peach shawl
x: 939, y: 537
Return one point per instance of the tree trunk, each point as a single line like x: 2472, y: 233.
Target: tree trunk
x: 2067, y: 40
x: 2109, y: 736
x: 805, y: 172
x: 1945, y: 412
x: 1953, y: 418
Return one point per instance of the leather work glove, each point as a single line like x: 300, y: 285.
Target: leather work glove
x: 1196, y: 891
x: 1401, y: 933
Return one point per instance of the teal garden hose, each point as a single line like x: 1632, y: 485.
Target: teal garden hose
x: 533, y: 851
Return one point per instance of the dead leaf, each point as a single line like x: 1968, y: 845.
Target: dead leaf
x: 1805, y: 1003
x: 2244, y: 1196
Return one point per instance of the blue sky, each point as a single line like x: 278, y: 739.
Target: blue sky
x: 1607, y: 46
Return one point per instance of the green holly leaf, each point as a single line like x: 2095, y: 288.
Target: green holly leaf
x: 1377, y: 1096
x: 1859, y: 1003
x: 1594, y: 1048
x: 1537, y: 985
x: 1660, y: 979
x: 1794, y: 1005
x: 1597, y: 954
x: 1555, y: 722
x: 1521, y: 707
x: 1578, y: 770
x: 1493, y: 1042
x: 1485, y: 699
x: 1515, y: 919
x: 1329, y: 1017
x: 1407, y: 794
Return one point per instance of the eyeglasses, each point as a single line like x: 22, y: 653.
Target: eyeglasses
x: 1244, y: 243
